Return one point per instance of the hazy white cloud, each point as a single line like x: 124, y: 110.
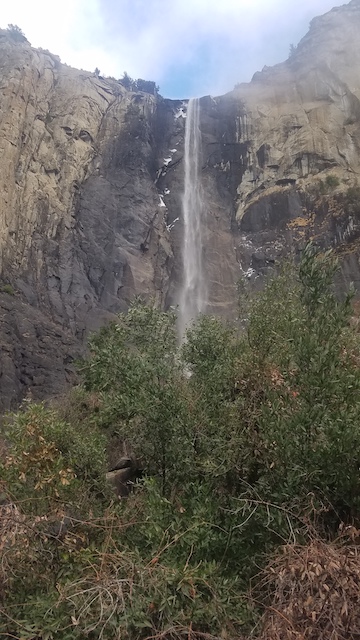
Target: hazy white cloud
x: 205, y: 45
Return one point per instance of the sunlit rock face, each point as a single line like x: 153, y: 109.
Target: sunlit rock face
x: 92, y: 181
x: 301, y: 120
x: 77, y: 177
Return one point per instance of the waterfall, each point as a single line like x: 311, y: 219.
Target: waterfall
x: 193, y: 294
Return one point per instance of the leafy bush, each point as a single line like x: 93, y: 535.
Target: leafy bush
x: 279, y: 410
x: 148, y: 86
x: 72, y: 569
x: 135, y: 368
x: 332, y: 181
x: 51, y: 460
x: 308, y: 413
x: 351, y: 201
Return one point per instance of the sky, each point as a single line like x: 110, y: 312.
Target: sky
x: 188, y: 47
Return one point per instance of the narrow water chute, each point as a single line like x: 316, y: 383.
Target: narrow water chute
x: 193, y: 295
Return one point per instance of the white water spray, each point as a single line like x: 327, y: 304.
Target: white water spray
x: 193, y: 295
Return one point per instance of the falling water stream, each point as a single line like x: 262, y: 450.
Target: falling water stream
x: 193, y: 295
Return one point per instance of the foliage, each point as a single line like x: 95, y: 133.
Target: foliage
x: 51, y: 460
x: 353, y: 195
x: 313, y: 591
x: 68, y: 574
x: 274, y: 316
x: 148, y: 86
x: 332, y: 181
x: 54, y: 488
x: 127, y: 81
x: 309, y: 417
x: 7, y: 288
x: 247, y: 440
x: 351, y: 201
x: 134, y: 367
x: 329, y: 184
x: 16, y: 33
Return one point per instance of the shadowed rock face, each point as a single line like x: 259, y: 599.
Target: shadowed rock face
x: 91, y: 183
x: 223, y: 164
x: 37, y: 354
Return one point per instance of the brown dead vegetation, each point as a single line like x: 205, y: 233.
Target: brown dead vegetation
x: 314, y: 592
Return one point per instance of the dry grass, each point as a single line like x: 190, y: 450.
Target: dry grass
x: 315, y: 593
x: 11, y: 525
x: 11, y: 528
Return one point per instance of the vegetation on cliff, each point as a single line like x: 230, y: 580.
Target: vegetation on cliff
x: 248, y: 442
x: 16, y: 33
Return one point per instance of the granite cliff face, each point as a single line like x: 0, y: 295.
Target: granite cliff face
x: 91, y: 182
x: 81, y: 229
x: 301, y: 120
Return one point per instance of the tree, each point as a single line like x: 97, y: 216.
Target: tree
x: 308, y: 411
x: 135, y: 368
x: 148, y: 86
x: 127, y: 81
x: 16, y: 33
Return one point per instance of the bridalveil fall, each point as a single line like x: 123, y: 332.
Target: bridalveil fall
x: 193, y: 294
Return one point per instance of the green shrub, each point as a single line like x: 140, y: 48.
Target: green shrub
x: 127, y: 570
x: 311, y: 417
x: 352, y: 201
x: 332, y: 181
x: 134, y: 366
x: 7, y: 288
x: 51, y: 460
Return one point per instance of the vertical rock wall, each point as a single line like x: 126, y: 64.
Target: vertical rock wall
x: 81, y: 227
